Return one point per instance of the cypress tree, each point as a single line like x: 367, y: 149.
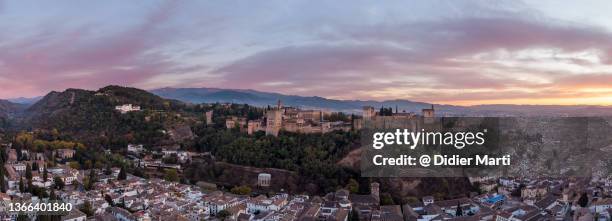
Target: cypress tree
x: 122, y: 174
x: 459, y: 211
x: 21, y: 185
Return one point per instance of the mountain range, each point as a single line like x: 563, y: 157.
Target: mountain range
x: 258, y: 98
x: 9, y: 109
x: 25, y: 100
x: 262, y: 99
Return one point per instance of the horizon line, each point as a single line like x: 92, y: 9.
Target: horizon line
x: 358, y: 99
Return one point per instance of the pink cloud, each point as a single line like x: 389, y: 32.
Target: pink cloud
x: 420, y: 58
x: 426, y: 60
x: 84, y: 58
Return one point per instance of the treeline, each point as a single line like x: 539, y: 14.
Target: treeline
x: 338, y: 116
x: 24, y: 140
x: 287, y: 151
x: 312, y: 156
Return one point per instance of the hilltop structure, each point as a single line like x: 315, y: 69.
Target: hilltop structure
x: 385, y: 118
x: 291, y: 119
x: 274, y: 120
x: 127, y: 108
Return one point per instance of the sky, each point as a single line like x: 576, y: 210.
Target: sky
x: 450, y: 52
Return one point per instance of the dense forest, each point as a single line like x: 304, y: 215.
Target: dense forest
x: 312, y: 156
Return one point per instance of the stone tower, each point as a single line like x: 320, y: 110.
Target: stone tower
x: 274, y: 119
x: 375, y: 191
x: 209, y: 116
x: 429, y: 113
x: 368, y: 112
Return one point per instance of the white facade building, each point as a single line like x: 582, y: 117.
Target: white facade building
x: 127, y: 108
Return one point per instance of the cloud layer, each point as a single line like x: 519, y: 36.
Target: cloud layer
x: 459, y: 53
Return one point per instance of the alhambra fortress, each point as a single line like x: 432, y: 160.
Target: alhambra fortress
x: 297, y: 120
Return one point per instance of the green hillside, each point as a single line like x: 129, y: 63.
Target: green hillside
x: 90, y: 116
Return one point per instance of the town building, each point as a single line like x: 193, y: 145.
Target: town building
x: 264, y: 179
x: 127, y: 108
x: 65, y: 153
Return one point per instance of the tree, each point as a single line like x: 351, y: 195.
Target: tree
x: 34, y: 166
x: 517, y: 192
x: 171, y: 175
x: 223, y: 214
x: 87, y: 208
x: 59, y: 183
x: 3, y: 157
x: 241, y: 190
x: 21, y: 185
x: 22, y: 217
x: 51, y: 162
x: 386, y: 199
x: 354, y: 214
x: 353, y: 186
x: 45, y: 174
x: 74, y: 165
x: 2, y: 180
x: 459, y: 211
x: 38, y: 191
x: 31, y: 188
x: 122, y: 174
x: 109, y: 200
x: 52, y: 195
x: 139, y: 172
x: 108, y: 170
x: 28, y: 172
x: 583, y: 201
x: 385, y: 111
x: 410, y: 200
x: 91, y: 179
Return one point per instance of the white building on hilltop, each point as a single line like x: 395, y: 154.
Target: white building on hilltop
x: 127, y: 108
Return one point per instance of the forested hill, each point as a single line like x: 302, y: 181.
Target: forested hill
x: 8, y: 108
x: 91, y: 115
x: 7, y: 111
x: 108, y: 97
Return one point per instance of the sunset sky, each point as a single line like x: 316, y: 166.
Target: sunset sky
x: 452, y: 52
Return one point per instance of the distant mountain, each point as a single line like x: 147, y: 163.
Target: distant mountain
x: 25, y: 100
x: 8, y: 110
x: 262, y: 99
x: 543, y: 110
x: 258, y: 98
x: 10, y: 107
